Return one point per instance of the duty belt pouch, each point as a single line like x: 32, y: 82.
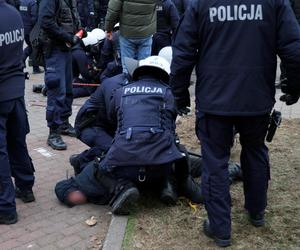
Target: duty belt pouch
x: 275, y: 121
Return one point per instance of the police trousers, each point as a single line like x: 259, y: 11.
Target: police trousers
x: 215, y: 134
x: 14, y: 158
x: 58, y: 80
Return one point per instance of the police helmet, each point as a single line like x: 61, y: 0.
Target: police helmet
x: 89, y: 40
x: 99, y: 34
x: 153, y: 65
x: 166, y: 53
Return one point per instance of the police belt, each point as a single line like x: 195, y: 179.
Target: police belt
x: 129, y: 131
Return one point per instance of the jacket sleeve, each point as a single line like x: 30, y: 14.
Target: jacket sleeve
x: 47, y: 18
x: 288, y: 43
x: 33, y: 13
x: 174, y: 16
x: 185, y: 48
x: 113, y: 14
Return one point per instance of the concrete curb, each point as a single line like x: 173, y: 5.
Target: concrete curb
x: 116, y: 233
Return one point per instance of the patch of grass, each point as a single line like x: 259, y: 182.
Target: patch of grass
x: 127, y: 242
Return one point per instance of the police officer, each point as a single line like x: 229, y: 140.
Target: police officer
x: 86, y: 62
x: 59, y: 20
x: 86, y: 13
x: 233, y: 45
x: 100, y: 12
x: 28, y: 10
x: 92, y: 124
x: 167, y: 21
x: 14, y: 157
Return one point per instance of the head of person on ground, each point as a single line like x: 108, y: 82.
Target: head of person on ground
x: 234, y: 47
x: 137, y: 25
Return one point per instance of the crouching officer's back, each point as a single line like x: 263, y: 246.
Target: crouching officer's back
x: 59, y: 20
x: 14, y: 158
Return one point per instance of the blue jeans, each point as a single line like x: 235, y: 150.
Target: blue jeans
x: 138, y: 49
x: 58, y: 80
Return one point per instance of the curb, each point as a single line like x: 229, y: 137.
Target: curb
x: 116, y: 233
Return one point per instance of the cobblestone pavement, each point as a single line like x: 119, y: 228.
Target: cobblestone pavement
x: 46, y: 224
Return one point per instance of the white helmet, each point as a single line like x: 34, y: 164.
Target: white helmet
x: 150, y: 65
x: 166, y: 53
x: 90, y: 39
x: 99, y: 34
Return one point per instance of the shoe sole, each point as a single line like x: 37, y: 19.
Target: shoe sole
x: 125, y: 201
x: 9, y: 222
x: 67, y: 134
x: 56, y: 148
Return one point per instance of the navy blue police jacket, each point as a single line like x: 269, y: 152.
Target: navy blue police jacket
x: 99, y: 103
x: 181, y: 5
x: 81, y: 63
x: 145, y: 113
x: 85, y: 8
x: 12, y: 81
x: 234, y: 46
x: 167, y: 16
x: 28, y: 10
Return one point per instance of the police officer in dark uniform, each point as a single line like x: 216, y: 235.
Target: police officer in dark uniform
x: 14, y: 158
x: 92, y: 124
x: 86, y: 13
x: 59, y: 20
x: 234, y: 45
x: 100, y: 12
x: 167, y: 21
x: 28, y: 10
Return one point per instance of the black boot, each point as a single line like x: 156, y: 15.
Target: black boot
x: 221, y: 242
x: 125, y: 196
x: 37, y: 88
x: 169, y: 192
x: 44, y: 91
x: 67, y: 129
x: 75, y: 163
x: 195, y: 166
x: 257, y: 219
x: 25, y: 195
x: 55, y: 141
x: 191, y: 190
x: 37, y: 70
x: 8, y: 218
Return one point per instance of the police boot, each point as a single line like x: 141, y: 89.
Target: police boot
x: 55, y: 141
x: 220, y: 242
x: 75, y: 163
x: 195, y: 166
x: 44, y: 91
x: 67, y: 129
x: 37, y: 88
x: 191, y: 190
x: 125, y: 196
x: 8, y: 218
x: 235, y: 172
x: 25, y: 195
x: 257, y: 219
x: 169, y: 192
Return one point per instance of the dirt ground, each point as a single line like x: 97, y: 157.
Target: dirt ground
x: 155, y: 226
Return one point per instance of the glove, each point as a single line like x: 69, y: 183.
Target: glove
x: 183, y: 105
x: 289, y: 99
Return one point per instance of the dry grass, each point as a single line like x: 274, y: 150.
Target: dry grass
x: 155, y: 226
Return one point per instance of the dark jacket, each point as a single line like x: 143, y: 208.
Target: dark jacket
x: 145, y: 113
x: 12, y: 81
x: 296, y: 8
x: 167, y: 16
x: 28, y: 10
x: 181, y: 5
x: 60, y: 20
x: 137, y: 17
x: 234, y: 54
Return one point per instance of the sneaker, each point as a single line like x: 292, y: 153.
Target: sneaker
x: 8, y: 218
x: 67, y: 129
x: 257, y: 219
x: 221, y: 242
x: 25, y: 195
x: 56, y: 142
x: 124, y: 201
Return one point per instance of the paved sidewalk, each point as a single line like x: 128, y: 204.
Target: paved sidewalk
x: 46, y: 224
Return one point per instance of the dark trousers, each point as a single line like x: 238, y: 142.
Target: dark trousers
x: 58, y: 80
x: 160, y: 40
x: 14, y: 158
x: 215, y: 134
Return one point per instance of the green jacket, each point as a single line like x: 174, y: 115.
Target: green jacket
x: 137, y: 18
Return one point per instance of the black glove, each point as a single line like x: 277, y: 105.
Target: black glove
x: 289, y: 99
x: 75, y: 40
x: 183, y: 106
